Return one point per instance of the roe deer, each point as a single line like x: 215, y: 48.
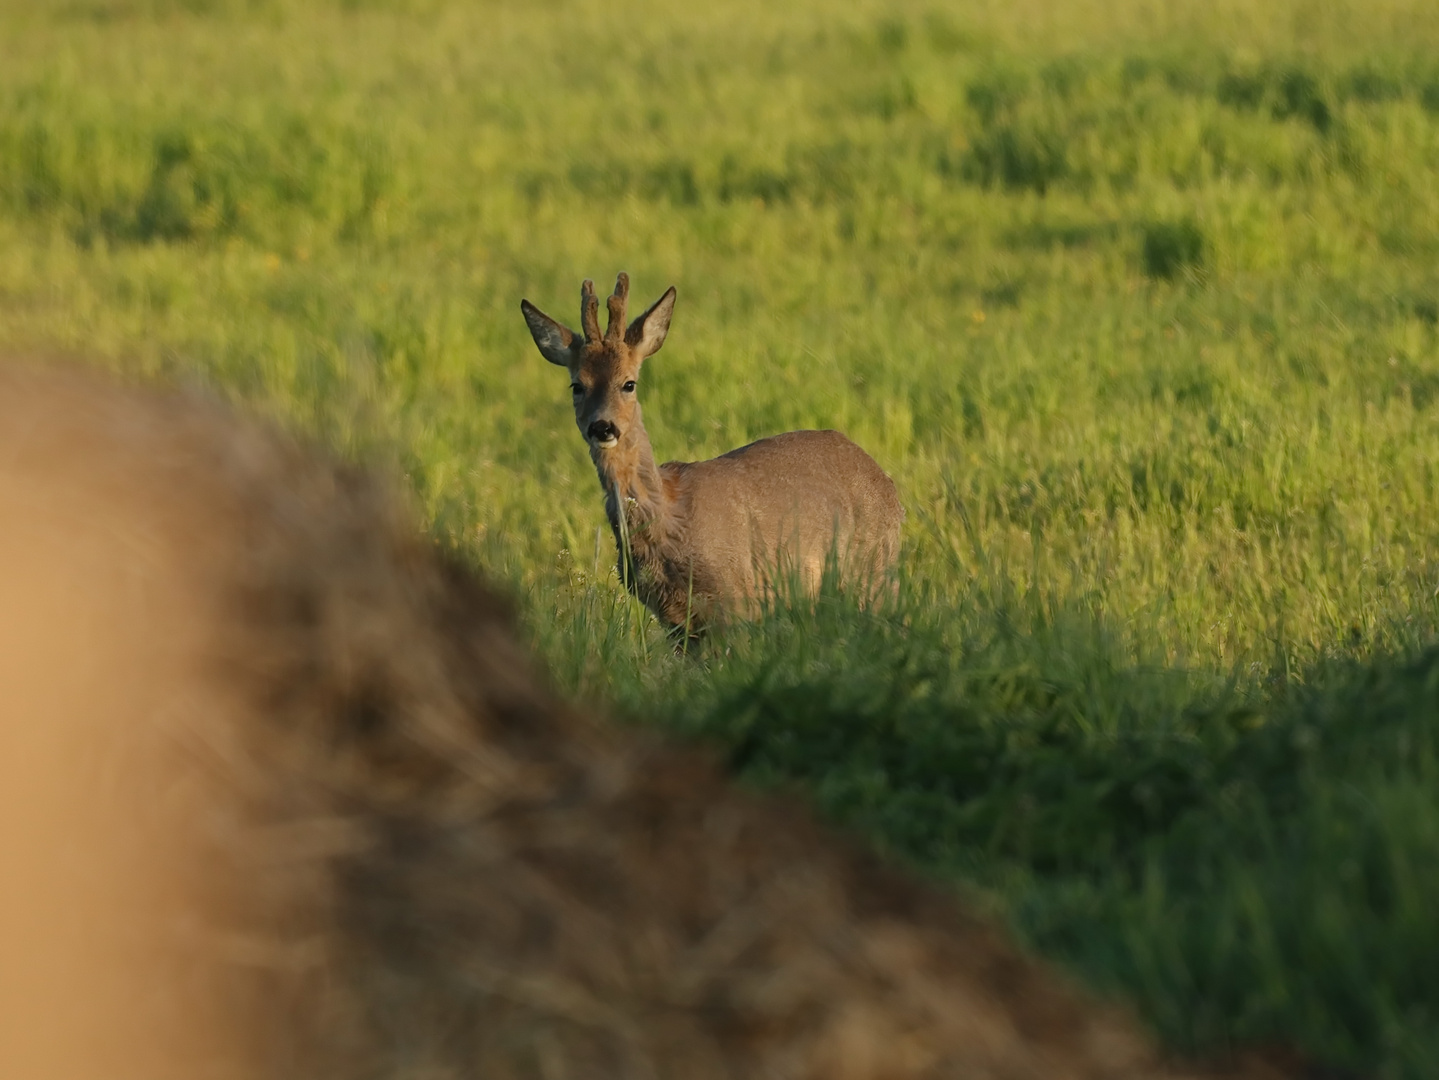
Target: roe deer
x: 699, y: 538
x: 282, y: 796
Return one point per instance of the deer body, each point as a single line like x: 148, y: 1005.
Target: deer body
x: 700, y: 539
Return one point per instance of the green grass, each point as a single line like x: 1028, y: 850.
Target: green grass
x: 1136, y: 301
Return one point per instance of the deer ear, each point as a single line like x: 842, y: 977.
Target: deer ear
x: 556, y: 341
x: 647, y: 333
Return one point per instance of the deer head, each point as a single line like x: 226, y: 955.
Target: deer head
x: 604, y: 369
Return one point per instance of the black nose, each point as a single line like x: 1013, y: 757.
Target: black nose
x: 603, y: 431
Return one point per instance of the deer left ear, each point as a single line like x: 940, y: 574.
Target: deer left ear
x: 647, y: 333
x: 555, y: 340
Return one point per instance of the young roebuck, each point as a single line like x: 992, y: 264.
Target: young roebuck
x: 699, y: 539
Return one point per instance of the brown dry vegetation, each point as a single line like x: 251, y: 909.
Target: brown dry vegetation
x: 288, y: 799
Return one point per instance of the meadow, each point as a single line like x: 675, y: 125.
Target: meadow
x: 1138, y: 302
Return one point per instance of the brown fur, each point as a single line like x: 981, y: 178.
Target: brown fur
x: 697, y: 539
x: 286, y: 799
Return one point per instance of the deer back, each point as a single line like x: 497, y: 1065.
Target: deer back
x: 787, y: 506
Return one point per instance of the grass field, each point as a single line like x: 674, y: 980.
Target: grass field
x: 1138, y: 302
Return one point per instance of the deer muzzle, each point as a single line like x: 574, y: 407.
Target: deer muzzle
x: 604, y: 434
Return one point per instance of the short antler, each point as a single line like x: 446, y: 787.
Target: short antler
x: 590, y: 312
x: 616, y: 328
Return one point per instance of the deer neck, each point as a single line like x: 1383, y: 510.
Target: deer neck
x: 634, y: 492
x: 651, y: 531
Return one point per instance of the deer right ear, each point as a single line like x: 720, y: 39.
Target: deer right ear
x: 647, y: 333
x: 555, y: 340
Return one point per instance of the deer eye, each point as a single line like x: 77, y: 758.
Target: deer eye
x: 576, y: 389
x: 629, y: 387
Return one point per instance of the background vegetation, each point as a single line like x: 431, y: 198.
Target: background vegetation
x: 1136, y: 300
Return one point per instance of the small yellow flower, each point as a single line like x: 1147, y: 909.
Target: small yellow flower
x: 978, y: 316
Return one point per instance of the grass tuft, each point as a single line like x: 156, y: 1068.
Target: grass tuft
x: 1172, y: 248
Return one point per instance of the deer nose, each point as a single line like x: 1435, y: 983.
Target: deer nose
x: 604, y: 432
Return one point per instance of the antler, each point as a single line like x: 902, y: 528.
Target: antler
x: 589, y: 311
x: 616, y: 328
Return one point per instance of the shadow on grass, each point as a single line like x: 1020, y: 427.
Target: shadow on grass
x: 1249, y: 861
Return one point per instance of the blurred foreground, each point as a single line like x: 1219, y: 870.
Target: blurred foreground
x: 284, y: 798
